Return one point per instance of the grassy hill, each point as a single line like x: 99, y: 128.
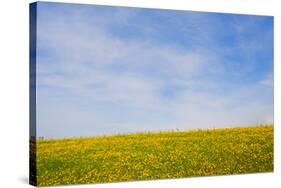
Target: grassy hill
x: 143, y: 156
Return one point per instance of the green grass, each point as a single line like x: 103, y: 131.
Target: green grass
x: 143, y: 156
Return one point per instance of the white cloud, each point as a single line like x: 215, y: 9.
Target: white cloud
x: 267, y: 81
x: 90, y: 83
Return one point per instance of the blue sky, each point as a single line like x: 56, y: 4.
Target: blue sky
x: 104, y: 70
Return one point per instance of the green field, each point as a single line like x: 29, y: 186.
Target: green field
x: 143, y: 156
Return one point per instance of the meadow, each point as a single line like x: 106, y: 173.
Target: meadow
x: 144, y: 156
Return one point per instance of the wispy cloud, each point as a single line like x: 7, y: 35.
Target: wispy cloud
x: 104, y: 70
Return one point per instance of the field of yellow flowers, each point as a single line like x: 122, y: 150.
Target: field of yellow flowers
x: 143, y: 156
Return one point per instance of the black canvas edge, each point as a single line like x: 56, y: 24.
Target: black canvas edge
x: 32, y: 93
